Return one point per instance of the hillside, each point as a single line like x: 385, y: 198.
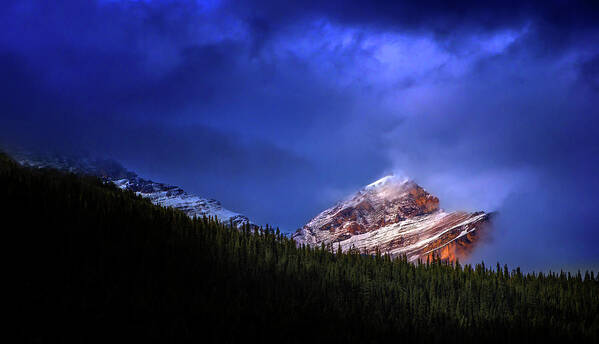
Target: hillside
x: 112, y: 171
x: 94, y: 263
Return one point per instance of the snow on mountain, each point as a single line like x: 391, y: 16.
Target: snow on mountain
x: 159, y: 193
x: 397, y: 217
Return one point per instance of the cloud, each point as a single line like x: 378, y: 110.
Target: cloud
x: 519, y: 139
x: 589, y: 72
x: 554, y: 23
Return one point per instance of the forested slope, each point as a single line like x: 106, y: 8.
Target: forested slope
x: 94, y: 263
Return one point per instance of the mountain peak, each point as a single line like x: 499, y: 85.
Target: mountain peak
x: 386, y: 179
x: 390, y: 179
x: 397, y: 216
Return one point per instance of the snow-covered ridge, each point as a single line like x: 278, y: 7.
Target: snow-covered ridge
x: 387, y: 179
x: 158, y: 193
x: 380, y: 182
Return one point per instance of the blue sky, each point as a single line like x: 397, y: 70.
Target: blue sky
x: 279, y: 110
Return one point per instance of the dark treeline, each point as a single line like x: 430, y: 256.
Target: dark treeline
x: 96, y: 264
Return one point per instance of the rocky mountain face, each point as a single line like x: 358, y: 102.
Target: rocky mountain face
x: 111, y: 171
x: 397, y: 217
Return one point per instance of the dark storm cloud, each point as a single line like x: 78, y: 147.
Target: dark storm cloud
x: 279, y: 109
x: 555, y: 22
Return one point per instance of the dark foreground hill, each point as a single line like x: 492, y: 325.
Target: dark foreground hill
x: 97, y: 264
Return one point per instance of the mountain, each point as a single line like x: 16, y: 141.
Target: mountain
x: 111, y: 171
x: 398, y: 217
